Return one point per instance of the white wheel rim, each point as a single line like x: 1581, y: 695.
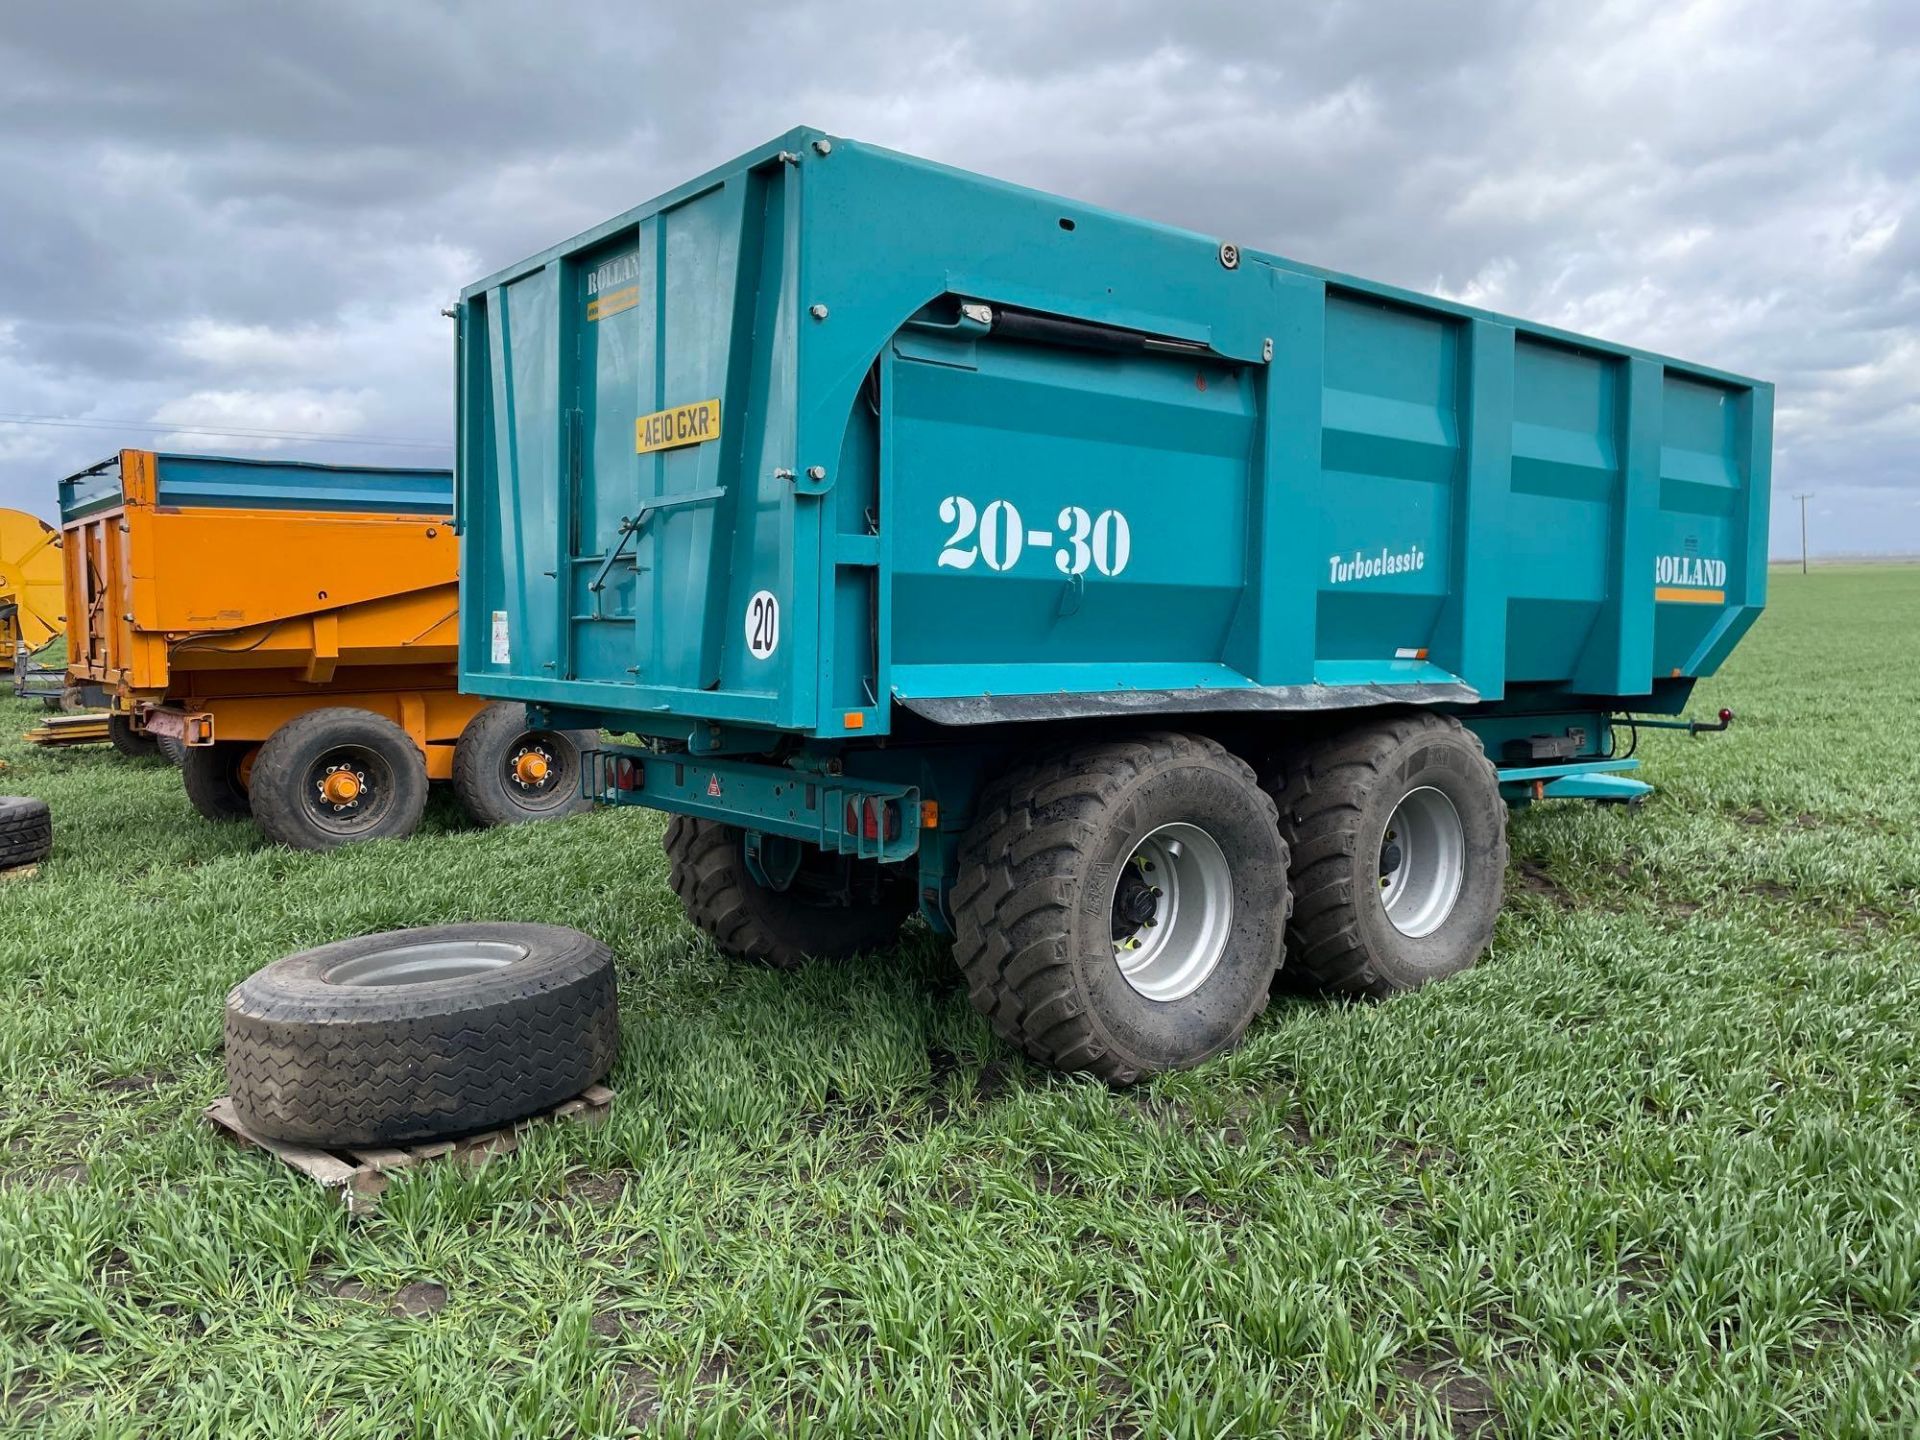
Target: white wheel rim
x: 1422, y: 862
x: 419, y: 962
x: 1172, y: 912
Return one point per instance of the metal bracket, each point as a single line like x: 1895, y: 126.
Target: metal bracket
x: 630, y: 527
x: 1692, y: 727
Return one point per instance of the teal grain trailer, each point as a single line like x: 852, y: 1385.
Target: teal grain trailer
x: 1142, y: 610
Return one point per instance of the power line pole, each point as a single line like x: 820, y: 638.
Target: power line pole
x: 1803, y: 529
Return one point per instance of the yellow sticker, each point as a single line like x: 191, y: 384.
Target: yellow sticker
x: 682, y: 425
x: 1688, y: 595
x: 613, y: 302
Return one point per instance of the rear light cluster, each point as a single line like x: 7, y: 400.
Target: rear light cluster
x: 623, y: 774
x: 868, y: 818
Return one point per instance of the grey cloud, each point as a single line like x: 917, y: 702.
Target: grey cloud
x: 215, y: 210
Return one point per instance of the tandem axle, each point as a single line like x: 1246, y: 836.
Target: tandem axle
x: 888, y: 806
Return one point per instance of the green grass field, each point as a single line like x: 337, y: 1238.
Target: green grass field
x: 1652, y: 1169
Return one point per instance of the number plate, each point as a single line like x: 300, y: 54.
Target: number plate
x: 693, y: 424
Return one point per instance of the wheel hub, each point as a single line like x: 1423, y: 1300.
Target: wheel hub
x: 1423, y: 862
x: 1172, y: 912
x: 342, y: 787
x: 1135, y: 903
x: 531, y: 769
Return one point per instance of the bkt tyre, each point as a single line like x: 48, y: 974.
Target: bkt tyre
x: 1120, y: 906
x: 830, y: 907
x: 1399, y: 843
x: 418, y: 1033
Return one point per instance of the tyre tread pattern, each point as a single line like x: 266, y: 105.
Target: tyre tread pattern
x: 278, y: 774
x: 477, y: 778
x: 1013, y: 898
x: 298, y: 1074
x: 131, y: 743
x: 708, y: 871
x: 26, y: 831
x: 1319, y: 786
x: 210, y: 777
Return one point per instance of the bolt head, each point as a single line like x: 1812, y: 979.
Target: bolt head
x: 816, y: 472
x: 818, y: 312
x: 823, y: 147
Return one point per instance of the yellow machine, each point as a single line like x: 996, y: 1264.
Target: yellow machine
x: 30, y: 586
x: 289, y: 631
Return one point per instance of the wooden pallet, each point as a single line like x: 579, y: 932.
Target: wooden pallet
x: 362, y: 1175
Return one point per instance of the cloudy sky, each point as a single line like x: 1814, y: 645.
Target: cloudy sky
x: 224, y: 219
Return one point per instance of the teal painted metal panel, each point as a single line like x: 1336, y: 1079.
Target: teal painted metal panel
x: 978, y: 443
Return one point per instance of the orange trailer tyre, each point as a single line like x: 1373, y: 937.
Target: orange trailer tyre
x: 505, y: 772
x: 132, y: 743
x: 215, y: 777
x: 334, y: 777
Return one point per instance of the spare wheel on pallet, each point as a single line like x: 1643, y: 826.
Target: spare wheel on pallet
x: 413, y: 1034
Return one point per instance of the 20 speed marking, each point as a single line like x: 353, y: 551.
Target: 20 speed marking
x: 763, y: 624
x: 1102, y: 542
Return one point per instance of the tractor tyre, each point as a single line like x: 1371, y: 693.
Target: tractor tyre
x: 1399, y: 843
x: 1120, y: 906
x: 833, y: 906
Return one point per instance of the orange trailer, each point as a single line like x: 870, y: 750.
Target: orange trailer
x: 290, y: 630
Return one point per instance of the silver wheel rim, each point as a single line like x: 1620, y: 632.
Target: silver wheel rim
x: 428, y: 960
x: 1423, y: 860
x: 1172, y: 911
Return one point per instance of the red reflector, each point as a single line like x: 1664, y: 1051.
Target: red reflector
x: 626, y: 775
x: 869, y: 819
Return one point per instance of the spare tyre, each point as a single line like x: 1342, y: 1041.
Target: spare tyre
x: 26, y: 830
x: 413, y: 1034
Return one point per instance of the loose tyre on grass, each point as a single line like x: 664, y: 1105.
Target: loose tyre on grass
x: 506, y: 773
x: 420, y: 1033
x: 803, y: 904
x: 26, y: 830
x: 1398, y: 837
x: 332, y: 777
x: 1120, y: 906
